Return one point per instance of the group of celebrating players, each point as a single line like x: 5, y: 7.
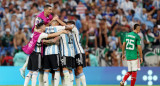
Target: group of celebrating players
x: 57, y: 50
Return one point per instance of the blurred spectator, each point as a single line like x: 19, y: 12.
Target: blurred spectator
x: 72, y: 3
x: 108, y: 14
x: 77, y: 22
x: 14, y: 24
x: 27, y: 32
x: 142, y: 39
x: 93, y: 60
x: 119, y: 16
x: 113, y: 41
x: 150, y: 38
x: 7, y: 60
x: 56, y: 9
x: 102, y: 35
x: 156, y: 3
x: 19, y: 37
x: 84, y: 37
x: 7, y: 41
x: 1, y: 33
x: 19, y: 58
x: 92, y: 40
x: 157, y: 35
x: 126, y: 6
x: 80, y: 9
x: 136, y: 8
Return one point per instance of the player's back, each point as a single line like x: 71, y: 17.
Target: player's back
x: 53, y: 48
x: 132, y: 39
x: 76, y: 41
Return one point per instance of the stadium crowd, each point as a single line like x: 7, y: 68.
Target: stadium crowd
x: 102, y: 25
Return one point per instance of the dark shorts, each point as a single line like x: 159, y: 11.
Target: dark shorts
x: 66, y: 61
x: 51, y: 62
x: 80, y: 60
x: 35, y: 61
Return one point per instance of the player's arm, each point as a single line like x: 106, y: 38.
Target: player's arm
x: 61, y: 22
x: 54, y: 18
x: 123, y: 49
x: 52, y: 41
x: 57, y: 34
x: 140, y: 53
x: 140, y: 48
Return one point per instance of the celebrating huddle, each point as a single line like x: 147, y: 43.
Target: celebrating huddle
x: 54, y: 49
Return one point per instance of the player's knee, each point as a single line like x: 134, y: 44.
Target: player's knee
x: 79, y: 71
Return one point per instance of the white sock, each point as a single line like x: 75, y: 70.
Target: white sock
x: 34, y: 78
x: 56, y: 78
x: 78, y: 83
x: 45, y: 78
x: 25, y: 64
x: 71, y: 79
x: 66, y: 77
x: 52, y: 82
x: 62, y: 80
x: 83, y: 79
x: 27, y: 79
x: 41, y: 79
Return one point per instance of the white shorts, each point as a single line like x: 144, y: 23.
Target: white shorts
x: 133, y: 65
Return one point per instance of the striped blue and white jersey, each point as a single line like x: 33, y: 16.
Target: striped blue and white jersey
x: 42, y: 36
x: 76, y: 41
x: 66, y: 45
x: 54, y: 48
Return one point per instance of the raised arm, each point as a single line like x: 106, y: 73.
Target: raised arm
x: 61, y: 22
x: 52, y: 41
x: 57, y: 34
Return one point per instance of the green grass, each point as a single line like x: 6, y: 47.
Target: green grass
x: 87, y: 85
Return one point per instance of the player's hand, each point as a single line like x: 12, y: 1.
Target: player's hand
x: 55, y: 17
x: 141, y: 60
x: 65, y: 31
x: 123, y: 57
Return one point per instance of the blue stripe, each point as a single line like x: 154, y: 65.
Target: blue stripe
x: 67, y: 40
x: 53, y: 46
x: 80, y: 75
x: 65, y: 71
x: 74, y: 46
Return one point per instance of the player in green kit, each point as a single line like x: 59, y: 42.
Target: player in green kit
x: 132, y: 46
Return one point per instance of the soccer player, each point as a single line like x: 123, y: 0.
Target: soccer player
x: 79, y: 56
x: 47, y: 18
x: 132, y: 46
x: 33, y: 63
x: 51, y: 59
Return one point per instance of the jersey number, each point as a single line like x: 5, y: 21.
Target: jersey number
x: 130, y: 45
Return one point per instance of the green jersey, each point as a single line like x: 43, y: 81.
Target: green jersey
x: 132, y: 39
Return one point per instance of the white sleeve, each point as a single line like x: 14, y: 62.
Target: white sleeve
x: 42, y: 36
x: 60, y: 28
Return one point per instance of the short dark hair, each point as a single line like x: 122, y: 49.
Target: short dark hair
x: 135, y: 26
x: 71, y: 22
x: 47, y: 6
x: 39, y: 24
